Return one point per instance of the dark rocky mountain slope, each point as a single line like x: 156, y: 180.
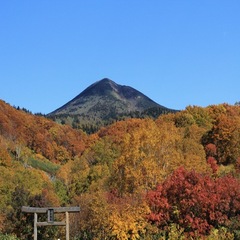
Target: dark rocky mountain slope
x: 104, y: 102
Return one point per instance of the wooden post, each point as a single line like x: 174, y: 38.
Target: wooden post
x: 67, y: 226
x: 35, y: 225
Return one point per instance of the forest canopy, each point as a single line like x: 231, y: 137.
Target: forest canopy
x: 174, y: 177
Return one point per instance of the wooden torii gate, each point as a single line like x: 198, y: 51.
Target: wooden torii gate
x: 50, y: 217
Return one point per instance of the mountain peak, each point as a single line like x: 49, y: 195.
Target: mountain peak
x: 105, y: 80
x: 100, y: 87
x: 104, y: 100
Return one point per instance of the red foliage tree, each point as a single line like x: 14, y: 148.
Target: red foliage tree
x: 213, y: 164
x: 211, y: 150
x: 195, y: 202
x: 237, y: 166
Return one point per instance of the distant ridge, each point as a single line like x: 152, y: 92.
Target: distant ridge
x: 105, y: 101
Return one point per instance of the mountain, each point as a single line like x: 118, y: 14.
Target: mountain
x: 105, y: 101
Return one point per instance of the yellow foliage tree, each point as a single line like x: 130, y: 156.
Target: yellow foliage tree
x: 127, y: 220
x: 146, y: 158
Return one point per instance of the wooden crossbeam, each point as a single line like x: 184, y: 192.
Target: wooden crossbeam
x: 51, y: 224
x: 55, y: 209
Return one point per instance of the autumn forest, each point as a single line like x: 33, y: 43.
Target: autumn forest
x: 174, y: 177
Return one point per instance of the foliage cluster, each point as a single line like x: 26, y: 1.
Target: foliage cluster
x: 174, y: 177
x: 7, y: 237
x: 91, y: 124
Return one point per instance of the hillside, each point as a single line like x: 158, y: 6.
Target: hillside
x: 104, y: 102
x: 177, y: 175
x: 21, y: 131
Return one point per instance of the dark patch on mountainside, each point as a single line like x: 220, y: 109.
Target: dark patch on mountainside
x: 105, y: 102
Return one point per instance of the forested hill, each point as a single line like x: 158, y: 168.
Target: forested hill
x: 104, y: 102
x: 174, y: 177
x: 21, y: 131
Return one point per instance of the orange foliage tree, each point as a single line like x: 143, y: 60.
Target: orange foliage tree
x: 224, y: 135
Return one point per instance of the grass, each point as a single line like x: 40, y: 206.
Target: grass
x: 43, y: 165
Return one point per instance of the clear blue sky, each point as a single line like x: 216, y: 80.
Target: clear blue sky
x: 177, y: 52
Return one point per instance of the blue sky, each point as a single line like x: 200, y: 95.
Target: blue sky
x: 177, y: 52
